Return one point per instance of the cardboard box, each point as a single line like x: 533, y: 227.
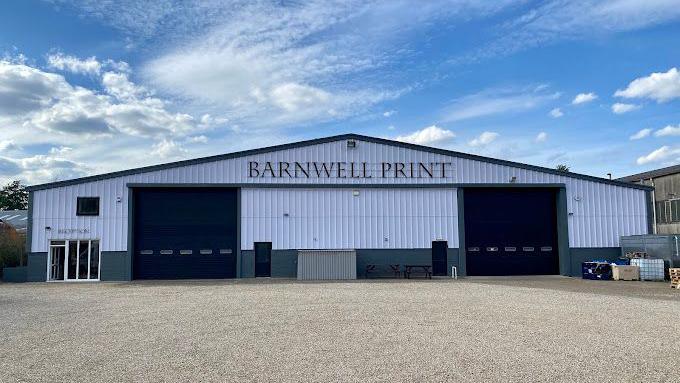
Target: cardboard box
x: 626, y: 273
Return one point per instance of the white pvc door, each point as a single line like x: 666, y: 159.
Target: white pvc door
x: 74, y: 260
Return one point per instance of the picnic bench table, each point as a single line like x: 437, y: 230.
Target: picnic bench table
x: 425, y: 269
x: 372, y: 268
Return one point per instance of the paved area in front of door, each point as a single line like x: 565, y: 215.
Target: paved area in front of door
x: 477, y: 329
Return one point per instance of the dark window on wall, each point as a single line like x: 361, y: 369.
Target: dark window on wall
x: 87, y: 206
x: 675, y: 210
x: 668, y: 211
x: 660, y: 212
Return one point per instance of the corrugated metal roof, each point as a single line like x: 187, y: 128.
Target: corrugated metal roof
x: 17, y: 218
x: 652, y: 174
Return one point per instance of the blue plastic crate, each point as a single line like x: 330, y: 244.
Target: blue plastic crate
x: 596, y: 270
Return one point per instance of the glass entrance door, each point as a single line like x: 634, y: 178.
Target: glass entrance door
x: 57, y: 257
x: 74, y: 260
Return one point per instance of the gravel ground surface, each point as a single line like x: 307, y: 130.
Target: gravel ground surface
x: 481, y: 329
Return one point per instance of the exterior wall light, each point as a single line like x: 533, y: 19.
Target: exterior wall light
x: 351, y: 144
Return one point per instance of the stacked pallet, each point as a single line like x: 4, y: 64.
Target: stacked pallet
x: 675, y: 277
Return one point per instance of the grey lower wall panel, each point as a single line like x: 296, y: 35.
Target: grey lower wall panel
x: 248, y: 263
x: 382, y: 258
x: 453, y: 260
x: 579, y: 255
x: 36, y: 270
x: 14, y: 274
x: 284, y: 263
x: 115, y: 266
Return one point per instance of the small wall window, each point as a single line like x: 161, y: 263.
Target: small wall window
x: 87, y: 206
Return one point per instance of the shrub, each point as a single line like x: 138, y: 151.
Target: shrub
x: 11, y: 247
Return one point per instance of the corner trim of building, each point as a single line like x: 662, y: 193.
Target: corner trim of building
x: 130, y: 239
x: 462, y: 259
x: 650, y: 212
x: 562, y: 224
x: 29, y: 227
x: 238, y: 233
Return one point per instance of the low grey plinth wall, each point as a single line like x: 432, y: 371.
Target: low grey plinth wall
x: 14, y: 274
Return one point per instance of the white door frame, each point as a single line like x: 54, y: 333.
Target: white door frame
x: 66, y: 247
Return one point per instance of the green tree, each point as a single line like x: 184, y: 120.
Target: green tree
x: 562, y: 168
x: 13, y: 196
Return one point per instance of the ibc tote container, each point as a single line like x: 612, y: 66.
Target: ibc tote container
x: 650, y: 269
x: 326, y: 264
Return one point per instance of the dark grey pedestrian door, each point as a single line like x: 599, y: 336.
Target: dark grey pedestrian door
x: 439, y: 258
x: 263, y: 259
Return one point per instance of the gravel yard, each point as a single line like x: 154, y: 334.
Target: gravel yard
x: 477, y: 329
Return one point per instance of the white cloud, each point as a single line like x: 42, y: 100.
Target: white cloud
x: 484, y: 139
x: 42, y: 108
x: 38, y: 99
x: 292, y: 97
x: 664, y: 154
x: 24, y: 89
x: 168, y: 149
x: 428, y: 136
x: 209, y: 121
x: 73, y: 64
x: 391, y: 127
x: 119, y: 86
x: 41, y: 168
x: 642, y: 133
x: 272, y: 64
x: 198, y: 139
x: 556, y: 113
x: 7, y: 145
x: 541, y: 137
x: 389, y: 113
x: 668, y: 131
x: 61, y: 150
x: 583, y: 98
x: 497, y: 101
x: 559, y: 20
x: 620, y: 108
x: 662, y: 86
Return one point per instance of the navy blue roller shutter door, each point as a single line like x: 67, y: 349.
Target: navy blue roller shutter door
x: 182, y: 233
x: 511, y: 231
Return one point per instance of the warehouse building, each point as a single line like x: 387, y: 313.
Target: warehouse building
x: 666, y: 197
x: 370, y: 202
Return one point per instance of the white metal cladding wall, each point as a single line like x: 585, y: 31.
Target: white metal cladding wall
x: 320, y: 265
x: 601, y: 212
x: 337, y: 219
x: 56, y: 209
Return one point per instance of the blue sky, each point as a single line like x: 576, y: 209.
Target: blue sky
x: 90, y: 87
